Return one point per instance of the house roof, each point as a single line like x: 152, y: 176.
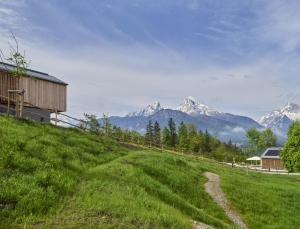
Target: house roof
x: 254, y: 158
x: 271, y: 153
x: 32, y: 73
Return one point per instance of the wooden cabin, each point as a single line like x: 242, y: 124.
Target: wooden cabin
x: 43, y: 94
x: 270, y: 159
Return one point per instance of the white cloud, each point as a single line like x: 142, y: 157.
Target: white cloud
x: 240, y: 130
x: 280, y: 23
x: 115, y: 78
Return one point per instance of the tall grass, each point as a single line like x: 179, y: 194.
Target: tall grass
x: 40, y: 165
x: 55, y: 178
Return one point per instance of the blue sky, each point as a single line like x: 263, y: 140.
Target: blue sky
x: 119, y: 55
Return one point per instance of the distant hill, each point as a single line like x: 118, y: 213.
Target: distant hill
x: 222, y: 125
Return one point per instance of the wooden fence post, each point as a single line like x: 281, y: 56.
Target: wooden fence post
x: 21, y: 104
x: 17, y: 106
x: 8, y: 104
x: 55, y: 117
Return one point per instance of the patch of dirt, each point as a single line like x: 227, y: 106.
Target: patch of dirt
x: 198, y: 225
x: 212, y: 187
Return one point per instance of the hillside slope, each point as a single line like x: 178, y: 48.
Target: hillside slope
x: 55, y: 177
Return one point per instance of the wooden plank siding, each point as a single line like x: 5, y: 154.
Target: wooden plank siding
x: 7, y: 82
x: 267, y: 163
x: 41, y: 93
x: 44, y: 94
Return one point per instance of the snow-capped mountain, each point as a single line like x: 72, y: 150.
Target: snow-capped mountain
x: 223, y: 125
x: 280, y: 119
x: 192, y: 107
x: 149, y: 110
x: 291, y: 111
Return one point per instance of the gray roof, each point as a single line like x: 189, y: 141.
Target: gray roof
x: 271, y: 153
x: 32, y: 73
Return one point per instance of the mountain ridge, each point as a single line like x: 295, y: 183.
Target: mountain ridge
x: 225, y: 126
x: 280, y: 119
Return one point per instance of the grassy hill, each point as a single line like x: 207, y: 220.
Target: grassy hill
x: 56, y: 177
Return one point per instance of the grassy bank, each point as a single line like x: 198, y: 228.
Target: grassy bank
x: 55, y: 177
x: 40, y: 165
x: 263, y: 200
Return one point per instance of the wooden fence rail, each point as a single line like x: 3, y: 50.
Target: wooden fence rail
x: 11, y: 105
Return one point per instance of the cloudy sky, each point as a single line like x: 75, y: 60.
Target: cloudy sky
x: 119, y: 55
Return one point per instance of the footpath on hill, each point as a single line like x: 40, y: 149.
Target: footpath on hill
x: 212, y: 187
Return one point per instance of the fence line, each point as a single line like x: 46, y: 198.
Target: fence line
x: 82, y: 124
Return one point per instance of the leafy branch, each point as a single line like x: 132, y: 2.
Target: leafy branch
x: 15, y: 58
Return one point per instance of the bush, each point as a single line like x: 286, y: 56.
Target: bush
x: 290, y: 153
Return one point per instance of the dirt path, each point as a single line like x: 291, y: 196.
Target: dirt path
x: 212, y: 187
x: 198, y: 225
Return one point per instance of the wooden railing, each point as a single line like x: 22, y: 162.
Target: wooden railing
x: 11, y: 106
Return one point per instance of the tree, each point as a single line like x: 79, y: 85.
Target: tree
x: 206, y: 147
x: 157, y: 134
x: 173, y: 134
x: 261, y: 140
x: 16, y: 58
x: 117, y: 133
x: 107, y: 127
x: 20, y: 63
x: 149, y: 137
x: 166, y: 137
x: 92, y: 123
x: 253, y: 137
x: 193, y: 138
x: 290, y: 153
x: 183, y: 140
x: 267, y: 139
x: 192, y: 130
x: 229, y: 142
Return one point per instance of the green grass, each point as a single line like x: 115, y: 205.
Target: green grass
x: 56, y: 177
x: 265, y: 201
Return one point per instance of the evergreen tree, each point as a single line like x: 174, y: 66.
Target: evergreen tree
x: 166, y: 137
x: 192, y: 130
x: 183, y: 138
x: 193, y: 138
x: 173, y: 134
x: 206, y: 142
x: 149, y: 137
x: 157, y: 134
